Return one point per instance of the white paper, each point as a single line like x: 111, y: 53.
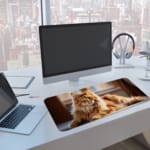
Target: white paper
x: 19, y: 81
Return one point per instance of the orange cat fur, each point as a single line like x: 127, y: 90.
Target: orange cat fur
x: 87, y: 106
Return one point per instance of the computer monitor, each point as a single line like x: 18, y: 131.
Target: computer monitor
x: 71, y: 51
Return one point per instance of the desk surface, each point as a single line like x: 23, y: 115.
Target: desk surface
x: 97, y: 134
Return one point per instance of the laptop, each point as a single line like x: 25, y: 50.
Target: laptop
x: 16, y: 117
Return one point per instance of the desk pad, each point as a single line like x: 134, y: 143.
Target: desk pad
x: 72, y: 109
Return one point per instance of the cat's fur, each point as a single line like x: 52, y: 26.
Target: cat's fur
x: 88, y: 106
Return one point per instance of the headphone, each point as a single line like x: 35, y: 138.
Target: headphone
x: 127, y: 54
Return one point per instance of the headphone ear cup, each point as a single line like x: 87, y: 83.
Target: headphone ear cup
x: 116, y: 54
x: 128, y: 55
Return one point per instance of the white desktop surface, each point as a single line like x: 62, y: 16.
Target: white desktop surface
x: 92, y: 136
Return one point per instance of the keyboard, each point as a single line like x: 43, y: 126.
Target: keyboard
x: 16, y: 116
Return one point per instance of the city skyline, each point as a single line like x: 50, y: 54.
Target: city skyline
x: 20, y: 19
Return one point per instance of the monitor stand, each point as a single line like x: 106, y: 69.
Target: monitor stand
x: 80, y: 83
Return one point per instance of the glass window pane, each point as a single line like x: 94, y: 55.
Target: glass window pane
x: 19, y: 45
x: 131, y: 16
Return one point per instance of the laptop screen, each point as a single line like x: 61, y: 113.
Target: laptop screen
x: 7, y: 97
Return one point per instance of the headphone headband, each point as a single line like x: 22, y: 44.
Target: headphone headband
x: 126, y: 34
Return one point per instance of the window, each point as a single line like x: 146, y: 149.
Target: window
x: 19, y: 45
x: 131, y: 16
x: 19, y: 21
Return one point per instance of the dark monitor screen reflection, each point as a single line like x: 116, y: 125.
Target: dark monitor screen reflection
x: 71, y: 51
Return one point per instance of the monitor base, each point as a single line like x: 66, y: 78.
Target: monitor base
x: 77, y: 84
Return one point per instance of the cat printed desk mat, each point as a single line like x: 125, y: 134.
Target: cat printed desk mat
x: 70, y: 110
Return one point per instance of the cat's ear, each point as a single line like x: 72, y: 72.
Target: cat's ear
x: 73, y: 94
x: 85, y: 90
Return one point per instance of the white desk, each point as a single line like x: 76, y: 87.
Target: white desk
x: 92, y: 136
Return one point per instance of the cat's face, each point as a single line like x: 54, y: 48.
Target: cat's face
x: 84, y: 99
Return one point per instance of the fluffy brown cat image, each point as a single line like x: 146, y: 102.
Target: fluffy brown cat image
x: 88, y: 106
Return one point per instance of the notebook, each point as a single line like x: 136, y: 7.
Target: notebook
x: 16, y: 117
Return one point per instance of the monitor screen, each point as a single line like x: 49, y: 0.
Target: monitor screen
x: 72, y: 48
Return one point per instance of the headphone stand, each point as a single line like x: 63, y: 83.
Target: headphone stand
x: 122, y: 61
x: 119, y: 66
x: 123, y: 53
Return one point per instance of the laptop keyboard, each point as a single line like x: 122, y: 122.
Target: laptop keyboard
x: 14, y: 118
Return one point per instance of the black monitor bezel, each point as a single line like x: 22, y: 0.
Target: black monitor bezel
x: 65, y: 25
